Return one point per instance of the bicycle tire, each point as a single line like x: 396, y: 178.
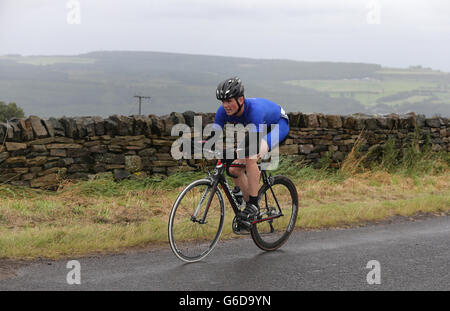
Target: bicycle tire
x: 270, y: 241
x: 183, y: 242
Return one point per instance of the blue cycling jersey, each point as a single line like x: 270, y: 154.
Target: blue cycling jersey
x: 259, y: 111
x: 256, y: 111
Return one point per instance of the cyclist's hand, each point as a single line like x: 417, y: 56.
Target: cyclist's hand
x: 263, y: 149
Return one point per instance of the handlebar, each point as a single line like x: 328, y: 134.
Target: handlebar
x: 227, y: 169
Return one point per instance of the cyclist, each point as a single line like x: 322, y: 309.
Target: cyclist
x: 236, y: 109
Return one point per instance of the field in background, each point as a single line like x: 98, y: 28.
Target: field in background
x: 388, y: 87
x: 104, y: 83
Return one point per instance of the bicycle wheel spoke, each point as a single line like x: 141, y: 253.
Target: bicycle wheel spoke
x: 191, y: 237
x: 279, y: 205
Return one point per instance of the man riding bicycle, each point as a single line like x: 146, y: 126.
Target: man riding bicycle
x: 254, y: 111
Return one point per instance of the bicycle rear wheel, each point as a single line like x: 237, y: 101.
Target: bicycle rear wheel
x: 279, y: 206
x: 192, y: 237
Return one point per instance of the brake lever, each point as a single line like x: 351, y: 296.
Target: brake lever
x: 227, y: 169
x: 188, y: 160
x: 228, y: 162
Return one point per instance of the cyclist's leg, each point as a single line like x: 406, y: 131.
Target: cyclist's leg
x: 249, y: 183
x: 249, y: 178
x: 241, y: 181
x: 265, y: 145
x: 253, y: 175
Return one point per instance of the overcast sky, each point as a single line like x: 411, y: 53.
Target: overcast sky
x: 395, y: 33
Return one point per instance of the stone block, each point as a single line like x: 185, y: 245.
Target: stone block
x: 164, y: 163
x: 20, y: 170
x: 65, y: 162
x: 38, y: 148
x: 8, y: 177
x: 27, y: 130
x: 70, y: 127
x: 58, y: 152
x: 323, y: 121
x: 142, y: 125
x: 99, y: 126
x: 189, y: 117
x: 157, y: 125
x: 306, y: 149
x: 64, y: 146
x: 312, y: 121
x: 110, y: 158
x: 77, y: 152
x: 334, y: 121
x: 78, y: 168
x: 36, y: 161
x: 98, y: 149
x: 289, y: 149
x: 338, y: 156
x: 3, y: 156
x: 133, y: 163
x: 120, y: 174
x: 433, y: 122
x: 50, y: 180
x: 11, y: 146
x: 162, y: 142
x: 53, y: 170
x: 16, y: 160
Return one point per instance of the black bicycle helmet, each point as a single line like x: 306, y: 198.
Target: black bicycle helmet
x: 230, y: 88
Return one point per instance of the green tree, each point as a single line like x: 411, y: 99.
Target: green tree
x: 11, y: 110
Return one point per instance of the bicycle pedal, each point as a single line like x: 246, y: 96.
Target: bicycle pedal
x: 242, y: 231
x: 239, y: 228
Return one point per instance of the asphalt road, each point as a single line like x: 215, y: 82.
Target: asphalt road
x: 411, y: 255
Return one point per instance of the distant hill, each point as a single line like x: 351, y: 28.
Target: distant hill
x: 104, y: 83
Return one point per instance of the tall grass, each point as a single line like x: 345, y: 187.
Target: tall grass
x: 410, y: 159
x: 108, y: 187
x: 415, y: 159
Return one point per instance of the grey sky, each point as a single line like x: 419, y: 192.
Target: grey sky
x: 411, y: 32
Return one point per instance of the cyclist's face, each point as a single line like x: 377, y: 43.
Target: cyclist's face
x: 230, y: 106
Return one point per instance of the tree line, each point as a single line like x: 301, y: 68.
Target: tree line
x: 9, y: 111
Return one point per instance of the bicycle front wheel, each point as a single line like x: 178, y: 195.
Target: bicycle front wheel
x: 279, y: 207
x: 193, y: 232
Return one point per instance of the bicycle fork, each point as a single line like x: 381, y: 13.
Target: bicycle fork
x: 194, y: 216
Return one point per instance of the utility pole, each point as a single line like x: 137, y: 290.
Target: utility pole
x: 140, y: 97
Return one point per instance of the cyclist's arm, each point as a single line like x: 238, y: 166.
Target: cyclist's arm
x: 220, y: 119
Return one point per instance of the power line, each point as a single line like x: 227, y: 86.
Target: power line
x: 140, y: 98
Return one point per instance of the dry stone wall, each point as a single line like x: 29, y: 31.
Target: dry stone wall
x: 42, y: 152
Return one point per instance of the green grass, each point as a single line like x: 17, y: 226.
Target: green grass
x: 334, y: 86
x: 338, y: 214
x: 411, y: 100
x: 104, y: 216
x: 51, y: 242
x: 411, y: 72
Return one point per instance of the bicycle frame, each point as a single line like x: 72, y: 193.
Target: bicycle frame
x: 208, y: 188
x: 218, y: 178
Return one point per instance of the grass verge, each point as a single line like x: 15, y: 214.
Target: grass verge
x: 104, y: 216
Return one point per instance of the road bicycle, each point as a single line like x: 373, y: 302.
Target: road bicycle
x: 198, y: 213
